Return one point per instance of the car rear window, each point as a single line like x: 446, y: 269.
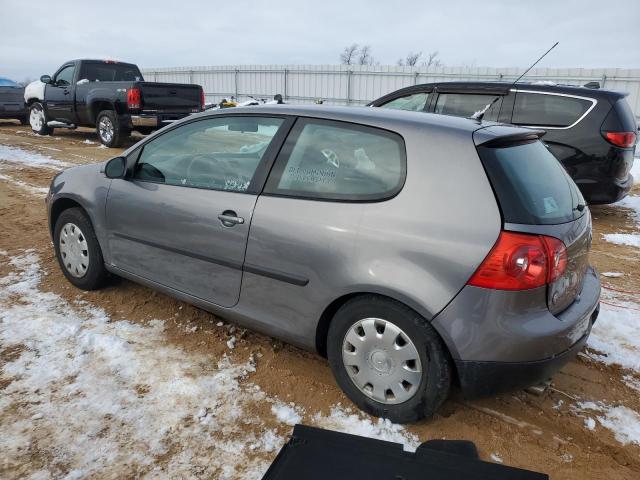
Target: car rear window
x: 531, y: 185
x: 547, y: 110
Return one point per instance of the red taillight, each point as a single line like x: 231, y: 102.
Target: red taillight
x: 202, y: 99
x: 134, y: 99
x: 519, y: 261
x: 620, y: 139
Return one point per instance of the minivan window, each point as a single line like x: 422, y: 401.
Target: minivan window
x: 531, y: 185
x: 546, y: 110
x: 466, y: 104
x: 414, y: 103
x: 216, y: 153
x: 333, y: 160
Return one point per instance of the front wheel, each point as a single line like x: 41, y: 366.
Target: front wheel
x: 388, y: 360
x: 109, y: 130
x: 38, y: 119
x: 78, y: 250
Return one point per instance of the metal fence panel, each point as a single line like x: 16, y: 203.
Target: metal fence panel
x: 359, y: 84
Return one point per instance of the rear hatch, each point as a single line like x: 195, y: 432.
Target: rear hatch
x: 170, y: 97
x: 537, y: 196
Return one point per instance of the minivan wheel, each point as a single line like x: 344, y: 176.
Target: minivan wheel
x: 388, y: 360
x: 78, y: 251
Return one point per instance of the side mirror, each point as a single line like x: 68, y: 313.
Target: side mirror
x: 45, y: 79
x: 116, y: 168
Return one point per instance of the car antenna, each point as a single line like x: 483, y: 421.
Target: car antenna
x: 480, y: 113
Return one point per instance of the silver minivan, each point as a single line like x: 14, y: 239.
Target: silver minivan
x: 415, y: 251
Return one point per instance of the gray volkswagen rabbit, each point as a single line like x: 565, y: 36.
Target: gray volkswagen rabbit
x: 414, y: 250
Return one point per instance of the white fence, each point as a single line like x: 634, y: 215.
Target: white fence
x: 357, y: 85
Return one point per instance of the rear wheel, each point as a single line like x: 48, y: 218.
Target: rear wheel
x: 388, y: 360
x: 109, y: 130
x: 78, y: 250
x: 38, y: 119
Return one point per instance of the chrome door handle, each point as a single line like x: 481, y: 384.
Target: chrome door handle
x: 229, y: 218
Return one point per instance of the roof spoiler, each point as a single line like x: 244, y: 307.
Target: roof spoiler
x: 519, y: 137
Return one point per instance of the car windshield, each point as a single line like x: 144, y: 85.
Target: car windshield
x: 5, y: 82
x: 531, y: 185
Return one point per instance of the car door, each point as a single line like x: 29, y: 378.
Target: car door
x: 181, y: 217
x: 59, y: 95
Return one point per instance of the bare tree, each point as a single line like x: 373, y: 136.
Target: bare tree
x: 432, y: 60
x: 412, y: 59
x: 349, y: 54
x: 364, y: 56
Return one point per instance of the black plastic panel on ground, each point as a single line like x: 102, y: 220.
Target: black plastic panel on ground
x: 316, y: 454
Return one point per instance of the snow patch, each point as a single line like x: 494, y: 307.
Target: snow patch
x: 616, y: 335
x: 631, y: 239
x: 496, y: 458
x: 622, y: 421
x: 612, y: 274
x: 32, y: 159
x: 344, y: 420
x: 286, y: 413
x: 88, y: 142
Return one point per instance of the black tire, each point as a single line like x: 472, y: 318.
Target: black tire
x: 96, y: 275
x: 24, y: 121
x: 41, y: 127
x: 112, y: 136
x: 435, y: 382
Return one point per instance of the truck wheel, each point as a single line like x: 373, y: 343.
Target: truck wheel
x: 108, y: 128
x: 38, y: 120
x: 388, y: 359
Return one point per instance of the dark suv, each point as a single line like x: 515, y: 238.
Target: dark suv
x: 591, y: 131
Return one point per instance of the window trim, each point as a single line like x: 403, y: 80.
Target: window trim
x: 262, y: 170
x: 281, y: 160
x: 593, y: 101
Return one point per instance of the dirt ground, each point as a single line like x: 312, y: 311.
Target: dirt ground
x: 542, y: 433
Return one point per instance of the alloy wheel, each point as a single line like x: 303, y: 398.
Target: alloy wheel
x: 105, y: 129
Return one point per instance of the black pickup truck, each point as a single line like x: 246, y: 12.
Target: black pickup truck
x: 110, y: 96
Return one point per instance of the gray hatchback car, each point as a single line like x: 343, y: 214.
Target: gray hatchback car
x: 413, y: 250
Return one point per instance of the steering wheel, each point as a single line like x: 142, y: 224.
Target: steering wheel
x: 331, y: 156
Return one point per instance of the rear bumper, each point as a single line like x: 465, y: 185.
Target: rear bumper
x: 154, y: 120
x: 606, y: 191
x: 482, y: 379
x: 500, y: 340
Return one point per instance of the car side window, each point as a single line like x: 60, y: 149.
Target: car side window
x: 546, y: 110
x: 414, y: 103
x: 216, y: 153
x: 65, y: 76
x: 331, y: 160
x: 466, y: 104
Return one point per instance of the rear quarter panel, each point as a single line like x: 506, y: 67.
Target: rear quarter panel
x: 419, y: 247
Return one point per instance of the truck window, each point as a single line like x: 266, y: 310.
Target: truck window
x: 65, y: 76
x: 110, y: 72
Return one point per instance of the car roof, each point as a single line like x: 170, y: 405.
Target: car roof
x: 502, y: 88
x: 392, y: 119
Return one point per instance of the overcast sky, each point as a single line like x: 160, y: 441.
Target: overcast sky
x: 37, y: 36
